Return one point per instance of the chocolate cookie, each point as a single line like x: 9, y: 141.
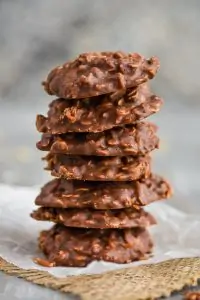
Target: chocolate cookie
x: 135, y: 140
x: 97, y: 73
x: 63, y: 193
x: 97, y: 168
x: 89, y: 218
x: 106, y: 112
x: 77, y: 247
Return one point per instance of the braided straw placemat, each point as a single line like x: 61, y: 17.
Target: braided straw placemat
x: 142, y: 282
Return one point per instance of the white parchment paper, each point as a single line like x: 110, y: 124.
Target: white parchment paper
x: 176, y: 235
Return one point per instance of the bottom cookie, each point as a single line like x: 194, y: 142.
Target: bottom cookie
x: 77, y: 247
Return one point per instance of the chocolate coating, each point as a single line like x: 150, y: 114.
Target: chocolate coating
x: 63, y: 193
x: 93, y: 74
x: 77, y: 247
x: 105, y: 112
x: 138, y: 139
x: 89, y: 218
x: 98, y: 168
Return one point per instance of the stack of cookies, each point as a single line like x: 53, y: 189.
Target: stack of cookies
x: 98, y: 148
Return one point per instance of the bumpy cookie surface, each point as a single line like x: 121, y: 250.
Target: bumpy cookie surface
x: 99, y: 168
x: 93, y: 74
x: 77, y: 247
x: 138, y: 139
x: 63, y: 193
x: 90, y: 218
x: 106, y: 112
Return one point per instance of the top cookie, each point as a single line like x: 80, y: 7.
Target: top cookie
x: 96, y: 73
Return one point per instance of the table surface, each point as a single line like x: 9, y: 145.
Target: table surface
x: 13, y: 288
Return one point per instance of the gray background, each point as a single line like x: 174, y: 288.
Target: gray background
x: 38, y: 35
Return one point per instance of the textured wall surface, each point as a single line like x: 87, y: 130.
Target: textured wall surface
x: 38, y: 35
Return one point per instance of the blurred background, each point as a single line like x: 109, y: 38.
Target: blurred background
x: 35, y: 36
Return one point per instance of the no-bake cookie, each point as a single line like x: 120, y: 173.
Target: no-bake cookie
x: 90, y: 218
x: 77, y: 247
x: 138, y: 139
x: 99, y: 115
x: 97, y: 73
x: 63, y: 193
x: 98, y: 168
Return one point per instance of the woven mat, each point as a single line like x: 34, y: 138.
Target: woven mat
x: 143, y: 282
